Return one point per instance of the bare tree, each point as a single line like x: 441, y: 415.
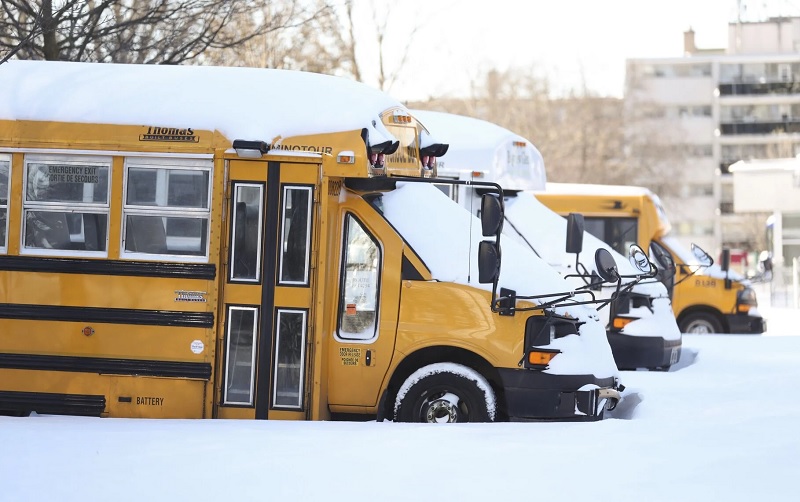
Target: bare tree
x: 138, y: 31
x: 362, y: 41
x: 580, y: 135
x: 339, y: 38
x: 311, y: 42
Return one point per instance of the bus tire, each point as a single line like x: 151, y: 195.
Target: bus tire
x: 445, y: 393
x: 701, y: 323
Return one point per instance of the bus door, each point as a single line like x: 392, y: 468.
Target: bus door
x: 368, y: 306
x: 264, y: 357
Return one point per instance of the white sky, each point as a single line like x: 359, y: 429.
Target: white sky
x: 458, y: 40
x: 720, y: 425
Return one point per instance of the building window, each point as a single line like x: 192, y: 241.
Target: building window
x: 679, y: 70
x: 166, y: 209
x: 66, y: 205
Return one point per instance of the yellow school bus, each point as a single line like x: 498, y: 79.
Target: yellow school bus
x: 705, y: 298
x: 194, y: 242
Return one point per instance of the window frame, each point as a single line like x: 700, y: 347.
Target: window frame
x: 343, y: 278
x: 166, y: 163
x: 303, y: 340
x: 609, y: 223
x: 235, y: 185
x: 225, y: 401
x: 4, y: 157
x: 73, y: 207
x: 308, y: 234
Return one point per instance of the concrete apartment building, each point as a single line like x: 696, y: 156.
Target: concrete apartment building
x: 720, y: 106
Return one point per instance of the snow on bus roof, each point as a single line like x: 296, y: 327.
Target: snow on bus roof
x: 241, y: 103
x: 591, y: 189
x: 478, y: 145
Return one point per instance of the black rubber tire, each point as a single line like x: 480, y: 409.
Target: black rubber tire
x: 701, y: 323
x: 423, y: 402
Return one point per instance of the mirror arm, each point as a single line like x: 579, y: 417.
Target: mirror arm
x: 561, y: 298
x: 684, y: 266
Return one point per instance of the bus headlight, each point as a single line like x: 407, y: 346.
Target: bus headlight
x: 541, y: 330
x: 745, y: 300
x: 621, y: 322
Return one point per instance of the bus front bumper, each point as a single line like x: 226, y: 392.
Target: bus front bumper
x: 746, y: 324
x: 533, y: 395
x: 651, y: 352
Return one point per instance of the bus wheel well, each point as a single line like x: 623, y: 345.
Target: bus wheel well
x: 692, y: 312
x: 443, y: 354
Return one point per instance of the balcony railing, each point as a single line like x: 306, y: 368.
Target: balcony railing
x: 768, y: 127
x: 742, y: 89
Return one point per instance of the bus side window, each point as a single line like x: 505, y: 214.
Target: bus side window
x: 145, y: 234
x: 358, y: 302
x: 166, y: 209
x: 66, y: 204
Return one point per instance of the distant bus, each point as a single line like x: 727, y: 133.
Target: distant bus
x: 706, y: 299
x: 640, y: 324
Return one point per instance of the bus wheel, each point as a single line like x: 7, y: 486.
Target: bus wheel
x: 700, y: 323
x: 445, y: 393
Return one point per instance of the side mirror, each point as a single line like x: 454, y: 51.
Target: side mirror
x: 766, y: 261
x: 725, y: 266
x: 491, y: 215
x: 639, y: 259
x: 606, y: 266
x: 575, y: 227
x: 703, y: 257
x: 726, y: 260
x: 488, y: 262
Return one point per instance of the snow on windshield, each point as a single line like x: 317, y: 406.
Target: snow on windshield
x: 686, y: 257
x: 242, y: 103
x: 446, y: 237
x: 546, y: 231
x: 477, y: 145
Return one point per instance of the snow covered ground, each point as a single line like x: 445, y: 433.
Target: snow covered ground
x: 723, y: 424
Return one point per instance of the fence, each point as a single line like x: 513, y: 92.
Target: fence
x: 784, y: 288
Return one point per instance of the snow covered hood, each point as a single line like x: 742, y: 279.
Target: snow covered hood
x: 241, y: 103
x: 448, y: 242
x: 478, y: 145
x: 446, y: 237
x: 546, y: 231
